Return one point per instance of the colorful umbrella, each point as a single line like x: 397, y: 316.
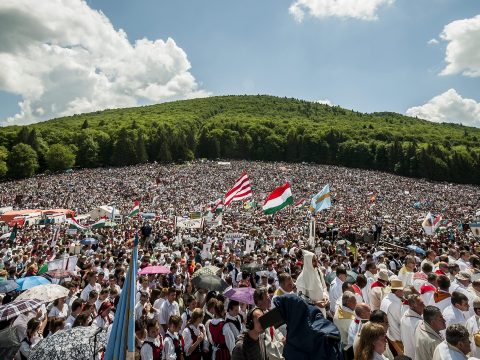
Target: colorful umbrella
x: 78, y: 343
x: 417, y: 249
x: 46, y: 293
x: 154, y: 270
x: 243, y: 295
x: 18, y: 307
x: 206, y: 270
x: 31, y: 281
x: 209, y: 282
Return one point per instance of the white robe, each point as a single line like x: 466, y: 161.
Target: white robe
x: 473, y: 326
x: 392, y: 306
x: 408, y: 325
x: 310, y: 282
x: 444, y: 351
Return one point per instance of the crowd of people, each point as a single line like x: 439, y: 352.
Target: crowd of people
x: 386, y: 300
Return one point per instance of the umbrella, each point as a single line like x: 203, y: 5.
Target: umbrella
x: 5, y: 236
x: 9, y: 343
x: 31, y: 281
x: 154, y: 270
x: 7, y: 286
x: 209, y: 282
x: 417, y: 249
x: 89, y: 241
x: 78, y: 343
x: 376, y: 254
x: 18, y: 307
x: 206, y: 270
x: 59, y: 273
x: 252, y: 267
x: 341, y: 242
x: 351, y: 276
x: 46, y: 293
x: 243, y: 295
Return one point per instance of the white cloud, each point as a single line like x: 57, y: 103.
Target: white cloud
x: 325, y: 102
x: 62, y: 57
x: 432, y: 42
x: 449, y: 107
x: 462, y: 54
x: 356, y: 9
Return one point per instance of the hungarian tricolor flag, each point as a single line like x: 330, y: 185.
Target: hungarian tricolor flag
x: 73, y: 224
x: 135, y: 210
x: 278, y: 199
x: 217, y: 207
x: 99, y: 224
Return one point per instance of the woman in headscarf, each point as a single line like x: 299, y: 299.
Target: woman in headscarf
x: 311, y: 282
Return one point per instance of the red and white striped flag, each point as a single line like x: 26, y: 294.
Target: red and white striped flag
x: 239, y: 191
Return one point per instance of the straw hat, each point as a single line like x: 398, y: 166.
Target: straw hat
x: 396, y: 284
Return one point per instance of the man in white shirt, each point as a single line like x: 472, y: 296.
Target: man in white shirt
x: 392, y: 305
x: 169, y: 308
x: 462, y: 261
x: 345, y: 315
x: 92, y: 285
x: 473, y: 327
x: 77, y: 306
x: 409, y: 323
x: 427, y: 335
x: 335, y: 291
x: 362, y: 315
x: 455, y: 313
x: 461, y: 284
x: 371, y: 275
x: 456, y: 346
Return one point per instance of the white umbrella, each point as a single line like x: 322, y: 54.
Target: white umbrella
x: 46, y: 293
x: 5, y: 236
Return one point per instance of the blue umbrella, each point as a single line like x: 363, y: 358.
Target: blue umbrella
x: 31, y: 281
x: 89, y: 241
x: 7, y: 286
x: 417, y: 249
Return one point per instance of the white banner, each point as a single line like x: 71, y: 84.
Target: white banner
x: 206, y: 254
x: 233, y: 236
x: 249, y: 246
x: 183, y: 223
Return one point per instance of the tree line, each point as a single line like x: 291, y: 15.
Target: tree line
x: 244, y: 127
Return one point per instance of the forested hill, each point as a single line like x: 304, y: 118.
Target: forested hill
x: 244, y: 127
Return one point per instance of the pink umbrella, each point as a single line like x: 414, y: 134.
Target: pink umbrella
x: 154, y: 270
x: 243, y: 295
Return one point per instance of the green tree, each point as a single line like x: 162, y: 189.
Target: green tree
x: 85, y: 125
x: 60, y: 157
x: 22, y: 161
x: 3, y: 162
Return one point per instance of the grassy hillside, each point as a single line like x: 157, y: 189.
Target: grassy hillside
x: 250, y: 127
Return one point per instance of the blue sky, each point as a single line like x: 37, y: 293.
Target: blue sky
x: 260, y: 47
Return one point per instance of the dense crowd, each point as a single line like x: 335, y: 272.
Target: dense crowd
x: 386, y: 300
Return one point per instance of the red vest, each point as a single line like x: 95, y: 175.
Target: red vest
x: 377, y: 284
x: 197, y: 353
x: 156, y: 350
x: 216, y: 331
x: 178, y: 344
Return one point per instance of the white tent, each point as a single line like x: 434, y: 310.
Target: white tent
x: 103, y: 210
